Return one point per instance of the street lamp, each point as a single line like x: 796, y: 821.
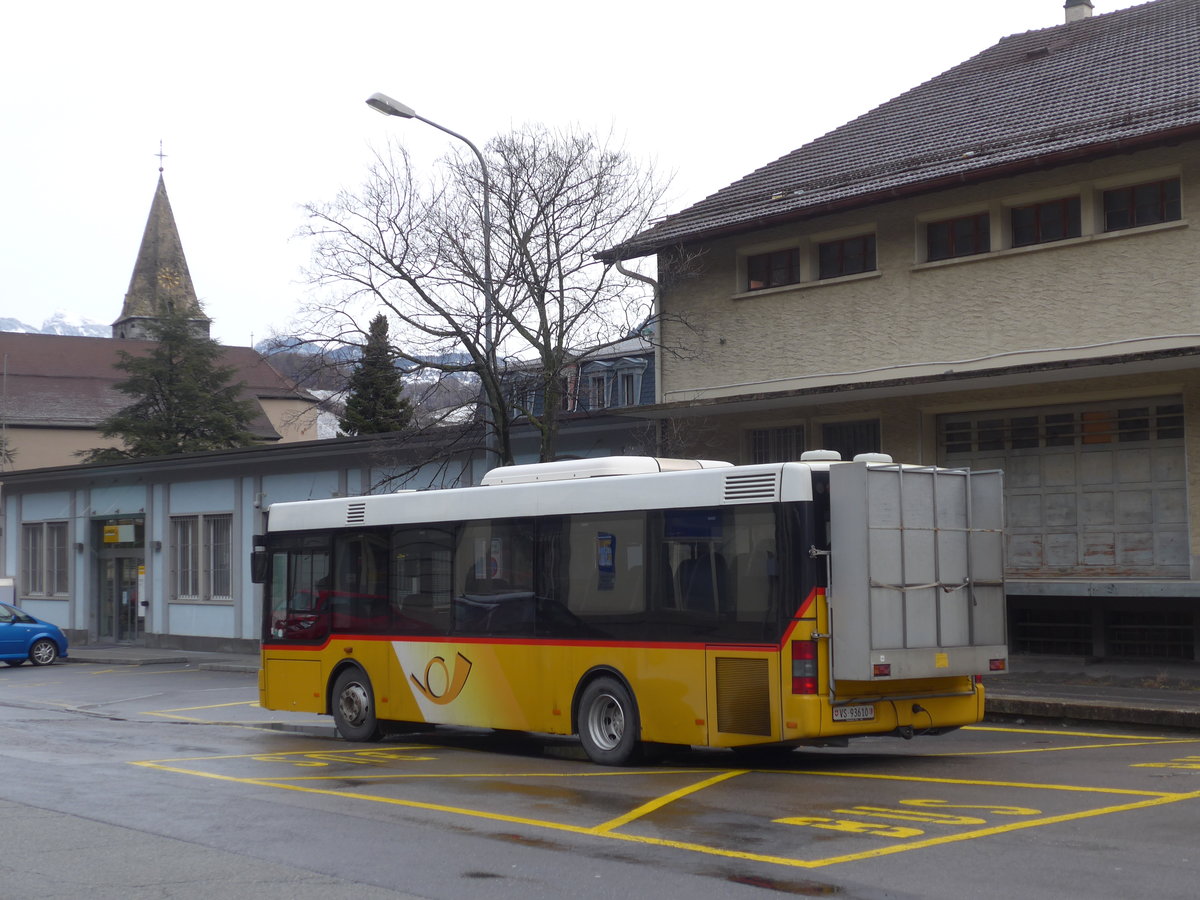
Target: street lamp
x: 384, y: 104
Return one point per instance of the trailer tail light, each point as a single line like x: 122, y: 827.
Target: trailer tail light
x: 804, y: 667
x: 882, y: 670
x: 997, y: 665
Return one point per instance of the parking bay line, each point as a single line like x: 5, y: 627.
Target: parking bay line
x: 607, y: 829
x: 170, y: 713
x: 1086, y: 734
x: 1112, y: 741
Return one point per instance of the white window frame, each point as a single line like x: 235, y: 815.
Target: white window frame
x: 45, y: 560
x: 202, y: 558
x: 597, y: 391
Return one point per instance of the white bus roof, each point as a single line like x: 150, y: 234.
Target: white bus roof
x: 595, y: 467
x: 651, y: 484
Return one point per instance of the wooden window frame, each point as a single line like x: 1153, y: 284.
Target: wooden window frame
x: 761, y: 269
x: 979, y: 238
x: 834, y: 262
x: 1168, y: 206
x: 1069, y: 212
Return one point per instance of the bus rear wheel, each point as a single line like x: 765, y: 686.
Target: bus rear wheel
x: 607, y: 722
x: 354, y: 706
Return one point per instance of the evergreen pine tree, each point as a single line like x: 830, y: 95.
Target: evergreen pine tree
x: 375, y: 404
x: 183, y: 401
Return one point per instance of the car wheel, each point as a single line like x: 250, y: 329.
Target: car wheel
x: 43, y: 652
x: 607, y: 722
x: 354, y: 706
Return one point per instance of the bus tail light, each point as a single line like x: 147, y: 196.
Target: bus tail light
x: 804, y: 667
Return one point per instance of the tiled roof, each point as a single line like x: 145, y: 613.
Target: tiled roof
x: 61, y: 381
x: 1111, y: 81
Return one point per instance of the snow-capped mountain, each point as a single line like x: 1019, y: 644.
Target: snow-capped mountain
x: 62, y: 322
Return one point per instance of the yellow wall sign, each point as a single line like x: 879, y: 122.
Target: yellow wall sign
x: 119, y: 534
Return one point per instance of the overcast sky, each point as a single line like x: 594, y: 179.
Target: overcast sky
x: 259, y: 107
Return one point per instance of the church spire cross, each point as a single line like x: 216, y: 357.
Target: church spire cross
x: 161, y: 156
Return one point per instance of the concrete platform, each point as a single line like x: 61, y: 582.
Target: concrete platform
x: 130, y: 655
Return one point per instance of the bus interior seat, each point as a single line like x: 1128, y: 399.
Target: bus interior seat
x: 702, y: 582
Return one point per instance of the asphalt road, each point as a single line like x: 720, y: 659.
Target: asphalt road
x: 169, y: 782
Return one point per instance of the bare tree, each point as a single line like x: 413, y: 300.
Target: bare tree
x: 414, y: 250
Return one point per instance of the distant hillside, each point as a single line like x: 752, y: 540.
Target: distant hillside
x: 62, y: 322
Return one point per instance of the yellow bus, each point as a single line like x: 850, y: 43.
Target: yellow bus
x: 639, y: 602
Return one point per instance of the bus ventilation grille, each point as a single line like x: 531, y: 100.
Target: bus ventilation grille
x: 743, y: 696
x: 762, y: 486
x: 356, y: 513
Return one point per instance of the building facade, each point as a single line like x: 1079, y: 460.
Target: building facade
x: 601, y: 399
x: 157, y: 551
x: 995, y: 269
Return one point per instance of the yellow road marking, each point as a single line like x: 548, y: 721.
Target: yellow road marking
x: 660, y: 802
x: 968, y: 781
x: 1125, y: 743
x: 1161, y: 800
x: 417, y: 776
x: 136, y: 670
x: 1057, y: 733
x: 170, y: 713
x: 608, y: 829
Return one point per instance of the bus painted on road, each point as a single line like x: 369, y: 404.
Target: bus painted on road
x: 639, y: 602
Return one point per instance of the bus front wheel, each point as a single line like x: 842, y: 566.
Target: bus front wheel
x: 354, y: 706
x: 607, y: 722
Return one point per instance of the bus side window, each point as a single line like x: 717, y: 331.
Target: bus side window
x: 704, y: 582
x: 422, y: 579
x: 359, y: 599
x: 605, y: 568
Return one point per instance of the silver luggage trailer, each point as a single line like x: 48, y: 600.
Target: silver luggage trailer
x: 917, y: 572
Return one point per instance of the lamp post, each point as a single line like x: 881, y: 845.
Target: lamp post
x: 384, y: 104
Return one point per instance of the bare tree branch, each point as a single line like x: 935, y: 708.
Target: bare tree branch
x: 414, y: 251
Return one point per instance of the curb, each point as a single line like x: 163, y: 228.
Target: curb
x: 1159, y: 717
x: 229, y: 667
x: 106, y: 659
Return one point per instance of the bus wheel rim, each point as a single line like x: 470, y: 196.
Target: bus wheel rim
x: 354, y: 703
x: 606, y: 722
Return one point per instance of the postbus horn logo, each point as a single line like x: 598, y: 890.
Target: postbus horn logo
x: 439, y: 687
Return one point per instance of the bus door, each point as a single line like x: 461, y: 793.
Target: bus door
x: 297, y: 584
x: 728, y: 581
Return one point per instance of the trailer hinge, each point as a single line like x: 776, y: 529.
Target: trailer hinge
x: 813, y: 552
x: 819, y: 636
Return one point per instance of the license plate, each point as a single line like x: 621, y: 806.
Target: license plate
x: 853, y: 713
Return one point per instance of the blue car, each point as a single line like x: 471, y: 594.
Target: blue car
x: 25, y: 637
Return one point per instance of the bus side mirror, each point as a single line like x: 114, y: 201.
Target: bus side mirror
x: 260, y: 565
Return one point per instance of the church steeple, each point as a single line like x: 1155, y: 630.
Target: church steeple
x: 161, y: 283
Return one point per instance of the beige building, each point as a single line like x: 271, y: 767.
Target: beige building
x: 995, y: 269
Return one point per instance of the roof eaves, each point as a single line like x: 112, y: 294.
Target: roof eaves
x: 868, y: 196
